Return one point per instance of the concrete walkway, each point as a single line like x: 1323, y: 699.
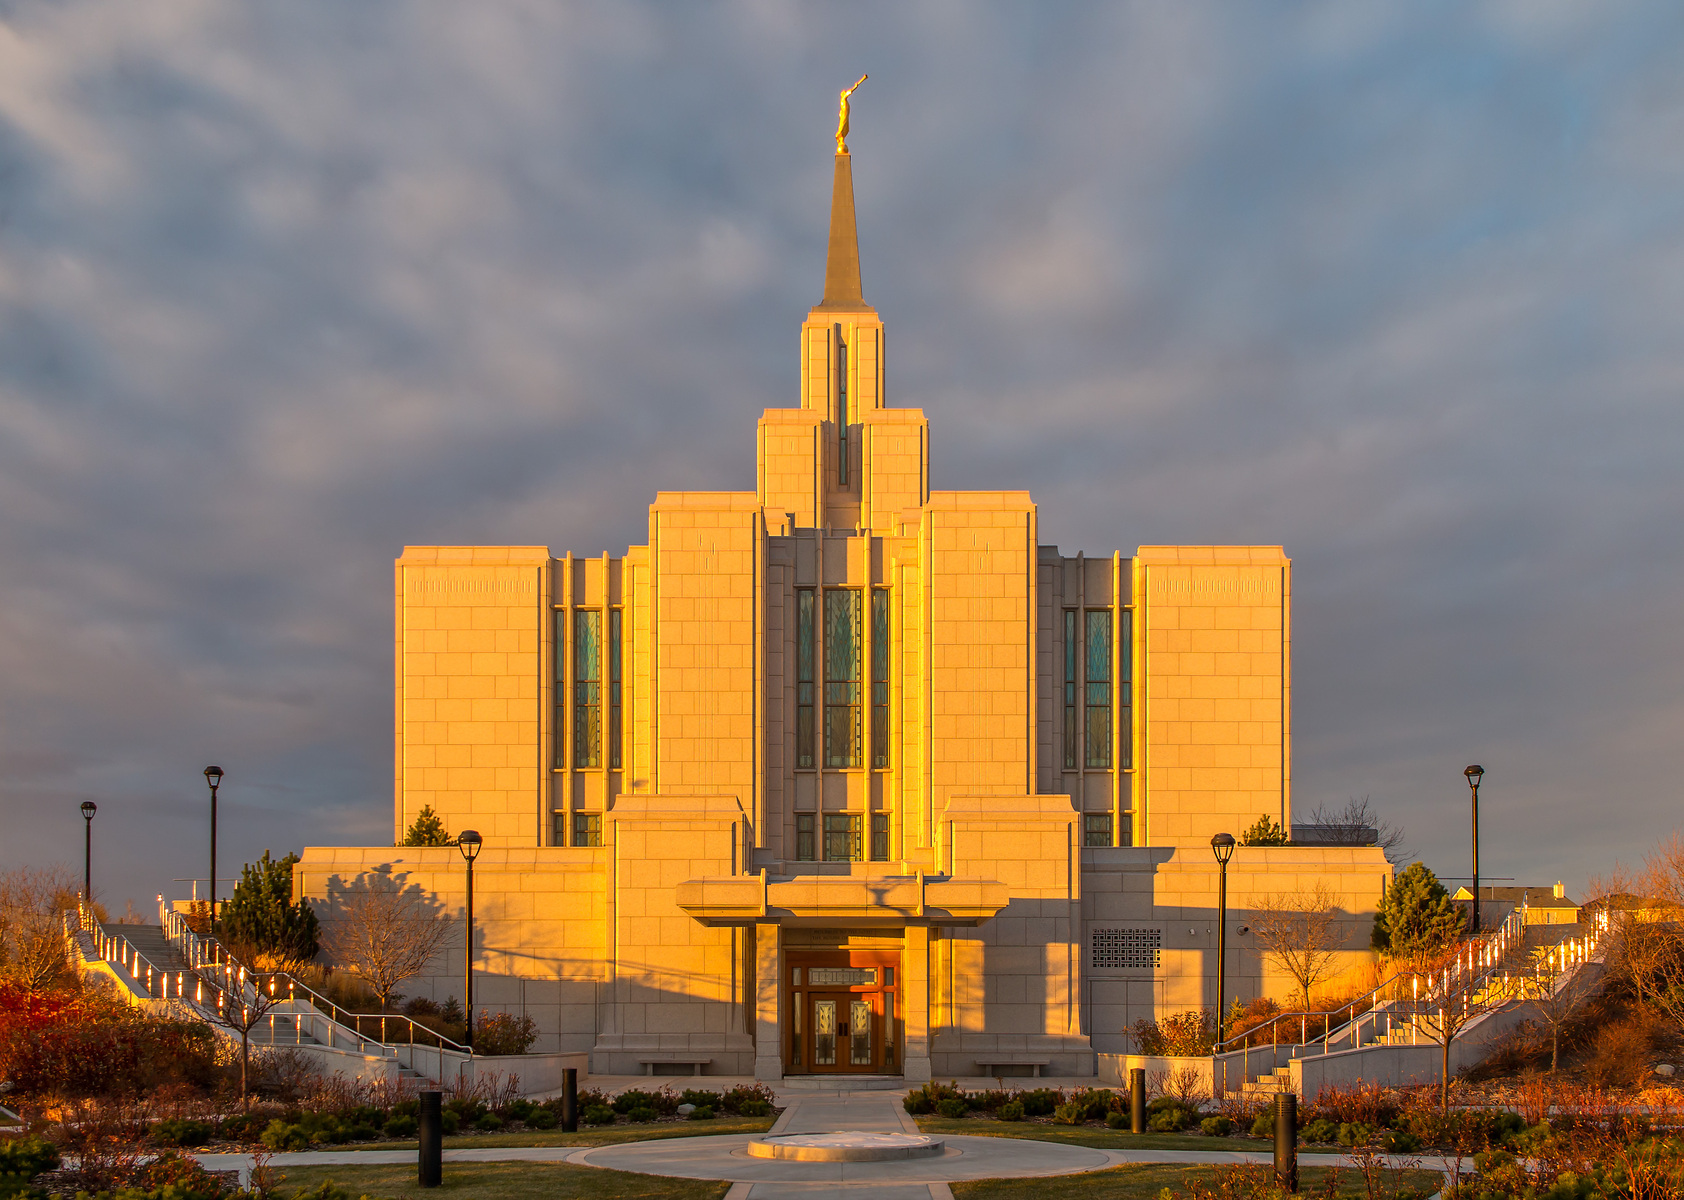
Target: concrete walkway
x: 724, y: 1157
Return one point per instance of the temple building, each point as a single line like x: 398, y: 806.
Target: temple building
x: 845, y: 774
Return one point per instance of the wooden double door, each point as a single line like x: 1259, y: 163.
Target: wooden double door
x: 844, y: 1014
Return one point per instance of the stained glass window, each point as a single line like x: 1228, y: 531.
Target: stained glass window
x: 1125, y: 687
x: 805, y: 849
x: 880, y: 677
x: 842, y: 837
x: 880, y: 837
x: 1072, y: 651
x: 1096, y: 829
x: 842, y: 678
x: 1098, y: 698
x: 587, y: 688
x: 614, y: 722
x: 804, y: 605
x: 587, y: 829
x: 842, y: 407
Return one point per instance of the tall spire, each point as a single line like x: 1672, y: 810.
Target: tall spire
x: 842, y: 262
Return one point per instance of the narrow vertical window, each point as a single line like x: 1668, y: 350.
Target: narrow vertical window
x: 614, y: 724
x: 842, y: 841
x: 842, y: 406
x: 804, y: 621
x: 879, y: 837
x: 1071, y: 679
x: 1125, y: 686
x: 1098, y: 707
x: 562, y: 634
x: 806, y: 849
x: 880, y: 677
x: 587, y: 829
x: 587, y: 688
x: 1096, y: 829
x: 842, y: 678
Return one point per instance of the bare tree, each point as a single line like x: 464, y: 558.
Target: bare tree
x: 240, y: 1002
x: 1555, y: 993
x: 1299, y: 930
x: 385, y: 933
x: 1442, y: 1020
x: 1359, y: 824
x: 33, y: 950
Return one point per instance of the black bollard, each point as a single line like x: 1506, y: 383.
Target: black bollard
x: 1137, y: 1100
x: 570, y: 1099
x: 1286, y: 1141
x: 432, y: 1140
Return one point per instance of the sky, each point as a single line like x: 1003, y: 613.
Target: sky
x: 286, y: 285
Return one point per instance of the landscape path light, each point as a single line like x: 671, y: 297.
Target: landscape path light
x: 470, y: 843
x: 1474, y: 774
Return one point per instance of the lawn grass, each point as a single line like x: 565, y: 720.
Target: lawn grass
x: 1101, y: 1138
x: 588, y: 1135
x: 1144, y: 1181
x: 505, y: 1181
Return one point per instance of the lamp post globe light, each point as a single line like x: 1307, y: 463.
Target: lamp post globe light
x: 1222, y: 845
x: 89, y: 808
x: 213, y: 776
x: 1474, y: 774
x: 470, y: 843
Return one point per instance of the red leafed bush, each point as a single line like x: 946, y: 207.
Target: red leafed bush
x: 64, y: 1044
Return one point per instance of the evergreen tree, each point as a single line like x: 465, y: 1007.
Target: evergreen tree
x: 261, y: 924
x: 427, y: 830
x: 1417, y: 918
x: 1264, y: 832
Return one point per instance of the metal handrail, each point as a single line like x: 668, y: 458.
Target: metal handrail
x: 195, y: 947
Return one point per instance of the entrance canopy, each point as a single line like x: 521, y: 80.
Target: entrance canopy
x: 819, y: 901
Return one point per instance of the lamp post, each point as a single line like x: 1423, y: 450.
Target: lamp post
x: 1475, y: 773
x: 89, y: 808
x: 469, y: 842
x: 213, y: 776
x: 1222, y: 845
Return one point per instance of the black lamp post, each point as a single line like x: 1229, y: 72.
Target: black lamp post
x: 89, y: 808
x: 1222, y: 845
x: 1475, y: 773
x: 469, y: 842
x: 213, y: 776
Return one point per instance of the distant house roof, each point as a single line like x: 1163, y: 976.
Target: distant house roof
x: 1628, y: 902
x: 1537, y: 896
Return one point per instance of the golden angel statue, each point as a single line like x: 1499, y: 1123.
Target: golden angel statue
x: 842, y: 117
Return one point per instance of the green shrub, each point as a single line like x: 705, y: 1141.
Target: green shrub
x: 467, y: 1109
x: 699, y: 1098
x: 953, y: 1108
x: 175, y: 1132
x: 1117, y: 1120
x: 642, y: 1114
x: 407, y: 1108
x: 702, y: 1112
x: 1506, y: 1126
x: 734, y: 1100
x: 28, y: 1157
x: 449, y: 1122
x: 1170, y: 1120
x: 401, y: 1126
x: 12, y: 1189
x: 917, y: 1103
x: 283, y: 1137
x: 1532, y: 1141
x: 635, y: 1098
x: 1354, y: 1134
x: 542, y: 1118
x: 489, y: 1123
x: 1319, y: 1130
x: 1094, y: 1103
x: 1264, y: 1126
x: 1217, y: 1126
x: 1012, y: 1110
x: 1396, y: 1141
x: 326, y: 1190
x: 518, y: 1110
x: 1069, y: 1114
x: 597, y: 1114
x: 1040, y: 1102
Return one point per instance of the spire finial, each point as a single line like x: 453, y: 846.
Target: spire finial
x: 842, y: 116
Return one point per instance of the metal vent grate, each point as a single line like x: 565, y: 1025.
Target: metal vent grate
x: 1127, y: 949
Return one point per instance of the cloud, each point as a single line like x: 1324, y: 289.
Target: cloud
x: 286, y: 286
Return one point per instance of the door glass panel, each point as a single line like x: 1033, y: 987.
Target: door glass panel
x: 824, y: 1033
x: 859, y: 1039
x: 795, y: 1034
x: 889, y: 1032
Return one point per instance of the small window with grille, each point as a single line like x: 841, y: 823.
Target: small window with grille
x: 1126, y: 949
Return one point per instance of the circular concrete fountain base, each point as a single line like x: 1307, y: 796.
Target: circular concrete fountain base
x: 845, y: 1147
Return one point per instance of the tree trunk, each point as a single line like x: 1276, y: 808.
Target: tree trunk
x: 245, y: 1062
x: 1555, y: 1047
x: 1444, y: 1080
